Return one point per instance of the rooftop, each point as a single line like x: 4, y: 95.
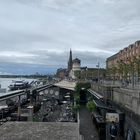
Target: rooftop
x: 76, y: 60
x: 66, y: 84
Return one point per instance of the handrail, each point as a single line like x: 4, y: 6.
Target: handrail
x: 98, y: 96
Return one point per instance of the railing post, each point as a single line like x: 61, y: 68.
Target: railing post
x: 19, y: 107
x: 30, y: 118
x: 31, y: 107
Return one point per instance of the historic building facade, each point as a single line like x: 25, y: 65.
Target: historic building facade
x: 77, y: 72
x: 74, y: 65
x: 125, y: 65
x: 125, y: 55
x: 61, y: 73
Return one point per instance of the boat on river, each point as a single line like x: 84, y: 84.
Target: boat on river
x: 17, y: 85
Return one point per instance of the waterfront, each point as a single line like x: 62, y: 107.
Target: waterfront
x: 5, y: 82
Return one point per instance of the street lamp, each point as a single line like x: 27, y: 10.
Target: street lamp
x: 98, y: 66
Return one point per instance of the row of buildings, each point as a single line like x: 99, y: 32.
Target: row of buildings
x: 125, y: 65
x: 125, y: 55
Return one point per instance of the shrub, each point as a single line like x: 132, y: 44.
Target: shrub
x: 90, y: 106
x: 80, y: 85
x: 77, y: 98
x: 76, y: 108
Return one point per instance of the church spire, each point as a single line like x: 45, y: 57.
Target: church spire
x: 70, y: 61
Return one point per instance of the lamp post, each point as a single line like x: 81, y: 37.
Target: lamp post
x: 98, y: 66
x: 98, y: 75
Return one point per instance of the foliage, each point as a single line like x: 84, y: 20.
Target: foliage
x: 90, y: 98
x: 89, y: 73
x: 90, y: 105
x: 112, y: 72
x: 77, y: 97
x: 126, y: 69
x: 82, y: 85
x: 76, y: 108
x: 36, y: 119
x: 120, y: 67
x: 137, y: 63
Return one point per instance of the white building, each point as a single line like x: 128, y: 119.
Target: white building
x: 76, y: 66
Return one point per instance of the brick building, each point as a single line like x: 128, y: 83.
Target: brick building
x: 61, y: 73
x: 128, y: 53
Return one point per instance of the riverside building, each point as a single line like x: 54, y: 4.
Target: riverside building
x: 125, y: 55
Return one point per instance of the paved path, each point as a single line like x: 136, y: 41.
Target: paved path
x: 87, y: 128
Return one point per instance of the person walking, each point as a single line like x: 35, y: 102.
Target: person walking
x: 113, y: 131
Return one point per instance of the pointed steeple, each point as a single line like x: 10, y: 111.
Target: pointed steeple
x: 70, y: 61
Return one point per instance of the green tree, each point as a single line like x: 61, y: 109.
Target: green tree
x: 76, y: 108
x: 131, y: 63
x: 77, y: 97
x: 126, y: 69
x: 113, y: 71
x: 137, y: 66
x: 90, y: 105
x: 120, y: 68
x: 123, y: 69
x: 82, y: 85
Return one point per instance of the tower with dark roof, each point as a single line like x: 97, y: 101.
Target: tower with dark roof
x: 76, y: 64
x: 70, y: 61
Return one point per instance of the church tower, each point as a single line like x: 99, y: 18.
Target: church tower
x: 70, y: 61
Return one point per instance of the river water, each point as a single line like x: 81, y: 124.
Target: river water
x: 5, y: 82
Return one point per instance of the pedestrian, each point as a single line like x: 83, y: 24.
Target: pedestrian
x: 113, y: 130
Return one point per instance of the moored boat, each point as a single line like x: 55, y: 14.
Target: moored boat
x: 20, y: 84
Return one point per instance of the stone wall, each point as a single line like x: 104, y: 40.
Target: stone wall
x: 130, y: 99
x: 104, y: 90
x: 126, y: 100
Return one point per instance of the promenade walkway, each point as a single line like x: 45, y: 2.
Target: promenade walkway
x: 87, y: 128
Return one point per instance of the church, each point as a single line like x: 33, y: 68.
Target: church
x: 75, y: 71
x: 74, y: 65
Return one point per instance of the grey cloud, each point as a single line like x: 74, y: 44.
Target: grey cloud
x: 93, y: 29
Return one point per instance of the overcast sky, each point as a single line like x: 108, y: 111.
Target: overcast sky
x: 41, y: 32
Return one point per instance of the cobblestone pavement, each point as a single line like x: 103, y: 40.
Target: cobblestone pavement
x: 87, y: 128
